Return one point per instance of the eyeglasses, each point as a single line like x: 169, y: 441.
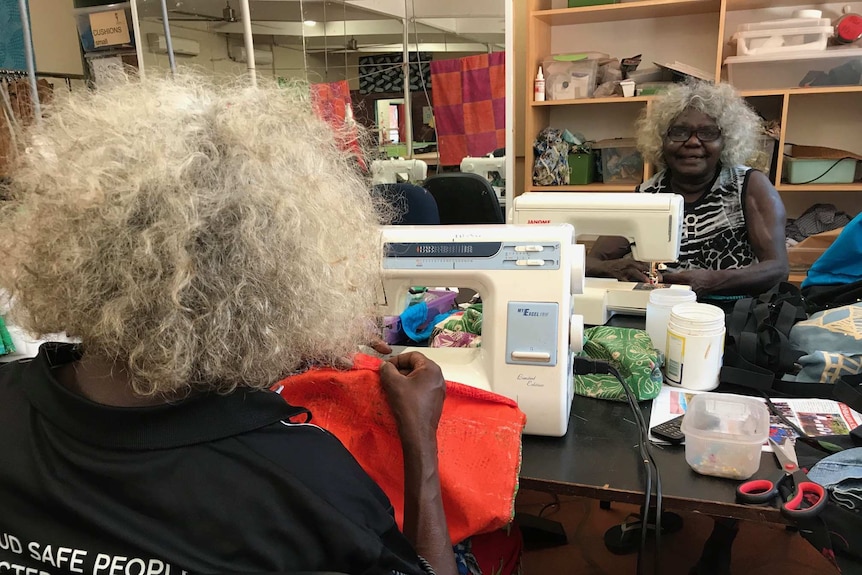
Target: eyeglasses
x: 683, y: 133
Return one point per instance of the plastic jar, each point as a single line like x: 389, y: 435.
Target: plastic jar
x: 695, y: 346
x: 658, y: 309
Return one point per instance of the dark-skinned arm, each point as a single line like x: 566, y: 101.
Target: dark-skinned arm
x: 765, y: 219
x: 415, y: 390
x: 607, y: 260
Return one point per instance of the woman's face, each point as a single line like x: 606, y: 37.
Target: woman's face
x: 692, y: 156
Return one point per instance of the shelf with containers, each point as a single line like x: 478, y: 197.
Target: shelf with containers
x: 827, y: 116
x: 696, y: 32
x: 656, y: 29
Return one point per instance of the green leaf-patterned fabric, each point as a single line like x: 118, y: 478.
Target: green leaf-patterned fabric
x: 631, y: 352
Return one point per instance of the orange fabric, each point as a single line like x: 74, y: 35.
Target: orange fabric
x: 329, y: 102
x: 479, y: 441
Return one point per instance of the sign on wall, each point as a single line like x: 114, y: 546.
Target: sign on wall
x: 109, y: 28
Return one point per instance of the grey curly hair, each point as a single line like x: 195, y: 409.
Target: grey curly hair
x: 205, y: 236
x: 739, y: 124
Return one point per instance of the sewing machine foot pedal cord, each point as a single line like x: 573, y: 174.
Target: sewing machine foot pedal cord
x: 624, y: 538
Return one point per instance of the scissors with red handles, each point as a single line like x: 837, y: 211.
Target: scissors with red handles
x: 807, y: 500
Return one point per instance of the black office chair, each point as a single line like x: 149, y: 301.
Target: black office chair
x: 464, y: 199
x: 415, y: 206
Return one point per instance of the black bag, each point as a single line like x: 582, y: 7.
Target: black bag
x: 757, y: 353
x: 821, y: 297
x: 757, y: 348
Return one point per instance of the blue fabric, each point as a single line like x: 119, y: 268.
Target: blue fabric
x: 415, y: 322
x: 841, y: 475
x: 832, y: 342
x: 839, y: 264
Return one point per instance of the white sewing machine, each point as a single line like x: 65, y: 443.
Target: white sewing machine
x: 486, y: 167
x: 393, y: 171
x: 526, y: 276
x: 651, y: 222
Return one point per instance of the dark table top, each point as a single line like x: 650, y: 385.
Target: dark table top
x: 599, y: 458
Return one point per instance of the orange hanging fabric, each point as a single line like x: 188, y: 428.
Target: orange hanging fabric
x: 479, y: 441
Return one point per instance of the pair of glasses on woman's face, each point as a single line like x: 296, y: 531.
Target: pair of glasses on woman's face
x: 683, y: 133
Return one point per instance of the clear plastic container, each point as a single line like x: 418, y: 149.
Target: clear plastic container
x: 784, y: 24
x: 785, y: 69
x: 570, y: 80
x: 724, y: 434
x: 758, y: 42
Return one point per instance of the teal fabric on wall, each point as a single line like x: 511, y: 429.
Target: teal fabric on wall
x: 12, y: 37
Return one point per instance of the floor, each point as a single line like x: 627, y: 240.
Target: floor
x: 758, y: 548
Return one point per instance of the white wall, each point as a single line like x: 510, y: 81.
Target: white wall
x: 213, y: 57
x: 55, y: 37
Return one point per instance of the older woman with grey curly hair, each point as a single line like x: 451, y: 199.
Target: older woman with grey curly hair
x: 202, y: 242
x: 700, y: 135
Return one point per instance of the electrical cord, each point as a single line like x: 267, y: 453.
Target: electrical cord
x: 587, y: 366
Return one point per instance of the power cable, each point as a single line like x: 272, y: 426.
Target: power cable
x: 587, y: 366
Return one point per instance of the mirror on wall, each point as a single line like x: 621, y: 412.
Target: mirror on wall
x: 360, y: 42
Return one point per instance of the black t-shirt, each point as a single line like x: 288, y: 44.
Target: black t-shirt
x: 212, y: 484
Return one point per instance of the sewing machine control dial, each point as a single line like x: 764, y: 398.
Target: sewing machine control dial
x: 529, y: 248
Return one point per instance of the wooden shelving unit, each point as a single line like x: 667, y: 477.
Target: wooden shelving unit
x: 625, y: 11
x: 552, y: 29
x: 695, y: 32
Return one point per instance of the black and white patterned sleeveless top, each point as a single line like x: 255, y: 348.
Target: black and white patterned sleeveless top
x: 714, y: 235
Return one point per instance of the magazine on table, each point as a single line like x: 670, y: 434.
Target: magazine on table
x: 816, y: 417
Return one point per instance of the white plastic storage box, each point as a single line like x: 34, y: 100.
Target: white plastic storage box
x: 819, y: 170
x: 724, y: 434
x: 793, y: 35
x: 784, y: 69
x: 570, y: 80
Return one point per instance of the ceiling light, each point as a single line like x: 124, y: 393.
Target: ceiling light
x: 309, y: 22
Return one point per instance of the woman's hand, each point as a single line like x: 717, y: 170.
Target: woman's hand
x: 700, y: 281
x: 624, y: 269
x: 415, y: 390
x: 380, y: 346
